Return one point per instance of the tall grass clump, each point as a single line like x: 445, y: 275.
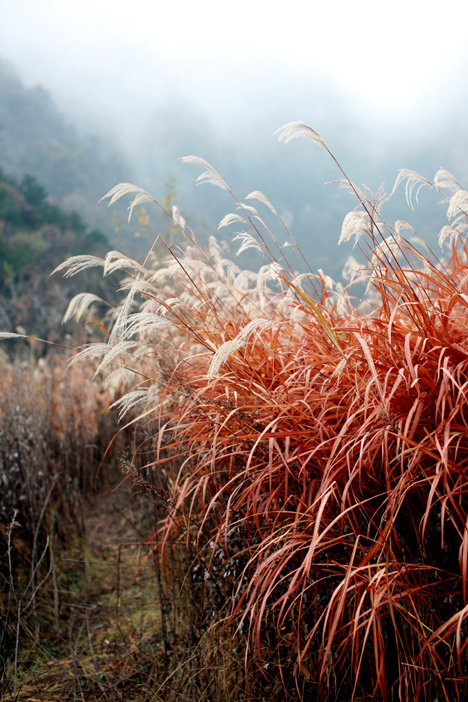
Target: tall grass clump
x: 310, y: 442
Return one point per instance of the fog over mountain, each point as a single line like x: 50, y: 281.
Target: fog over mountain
x: 147, y: 109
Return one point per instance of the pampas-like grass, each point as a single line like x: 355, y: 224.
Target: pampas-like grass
x: 322, y: 449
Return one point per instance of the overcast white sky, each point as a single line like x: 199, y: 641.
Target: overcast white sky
x: 388, y: 60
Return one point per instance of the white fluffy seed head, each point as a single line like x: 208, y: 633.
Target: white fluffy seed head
x: 414, y: 182
x: 390, y: 246
x: 444, y: 179
x: 177, y: 218
x: 247, y: 242
x: 229, y: 347
x: 297, y: 130
x: 257, y: 195
x: 209, y: 175
x: 355, y: 224
x: 78, y: 305
x: 458, y: 204
x: 77, y: 264
x: 352, y: 269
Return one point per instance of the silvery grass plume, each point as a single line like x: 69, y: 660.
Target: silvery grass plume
x: 224, y: 352
x: 81, y: 304
x: 456, y: 197
x: 157, y: 311
x: 160, y: 299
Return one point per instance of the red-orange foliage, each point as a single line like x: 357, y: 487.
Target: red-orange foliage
x: 323, y: 453
x: 337, y: 448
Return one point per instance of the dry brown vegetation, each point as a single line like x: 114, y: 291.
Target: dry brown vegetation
x: 54, y: 426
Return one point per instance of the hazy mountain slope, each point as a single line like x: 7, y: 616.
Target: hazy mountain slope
x: 36, y: 138
x: 35, y: 236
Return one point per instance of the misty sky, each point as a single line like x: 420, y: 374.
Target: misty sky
x: 401, y: 62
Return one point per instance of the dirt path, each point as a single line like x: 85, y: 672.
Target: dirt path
x: 108, y: 642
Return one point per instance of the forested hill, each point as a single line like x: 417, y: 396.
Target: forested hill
x: 36, y: 139
x: 35, y: 236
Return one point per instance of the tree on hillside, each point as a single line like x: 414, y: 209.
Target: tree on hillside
x: 35, y: 236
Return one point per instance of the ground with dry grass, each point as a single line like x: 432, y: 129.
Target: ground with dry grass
x: 86, y: 612
x: 108, y: 640
x: 123, y: 634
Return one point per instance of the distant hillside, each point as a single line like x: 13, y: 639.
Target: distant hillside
x: 36, y: 139
x: 35, y: 236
